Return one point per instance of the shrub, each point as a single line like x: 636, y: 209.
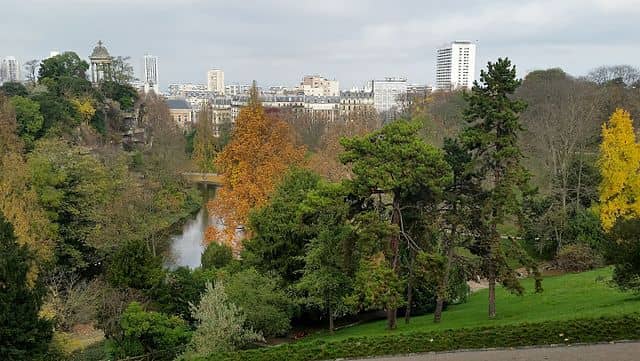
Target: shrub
x: 65, y: 347
x: 526, y: 334
x: 216, y: 256
x: 181, y: 288
x: 133, y: 265
x: 266, y: 305
x: 146, y: 332
x: 584, y: 228
x: 624, y: 251
x: 112, y: 304
x: 94, y: 352
x: 577, y: 258
x: 72, y: 301
x: 221, y: 324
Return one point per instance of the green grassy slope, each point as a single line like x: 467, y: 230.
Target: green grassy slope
x: 571, y: 296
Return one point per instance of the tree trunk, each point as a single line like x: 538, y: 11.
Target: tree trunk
x: 395, y: 249
x: 407, y: 313
x: 579, y: 183
x: 331, y: 327
x: 444, y: 282
x: 492, y: 274
x: 492, y: 296
x: 395, y: 238
x: 391, y: 318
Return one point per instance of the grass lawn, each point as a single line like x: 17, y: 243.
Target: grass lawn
x: 571, y: 296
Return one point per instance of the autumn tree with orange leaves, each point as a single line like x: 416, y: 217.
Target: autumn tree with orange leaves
x: 261, y: 150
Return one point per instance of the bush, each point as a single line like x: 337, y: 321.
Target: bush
x: 133, y: 265
x: 624, y: 251
x: 181, y: 288
x: 94, y: 352
x: 216, y: 256
x: 526, y: 334
x: 112, y: 304
x: 144, y: 332
x: 584, y: 228
x: 65, y: 347
x: 267, y: 306
x: 577, y: 258
x: 221, y: 325
x: 72, y: 301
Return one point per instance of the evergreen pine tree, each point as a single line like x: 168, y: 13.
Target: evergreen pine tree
x: 492, y: 138
x: 23, y: 334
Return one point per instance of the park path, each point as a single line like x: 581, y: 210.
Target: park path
x: 626, y: 351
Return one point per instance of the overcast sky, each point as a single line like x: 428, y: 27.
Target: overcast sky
x: 279, y: 41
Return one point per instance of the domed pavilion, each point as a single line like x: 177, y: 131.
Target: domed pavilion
x: 100, y: 63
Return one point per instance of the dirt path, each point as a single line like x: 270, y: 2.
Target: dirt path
x: 627, y: 351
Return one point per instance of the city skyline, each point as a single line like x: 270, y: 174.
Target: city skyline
x: 354, y: 41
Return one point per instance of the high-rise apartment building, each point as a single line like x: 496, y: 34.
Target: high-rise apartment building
x: 150, y: 77
x: 388, y: 93
x: 315, y: 85
x: 456, y: 66
x: 9, y: 70
x: 215, y: 81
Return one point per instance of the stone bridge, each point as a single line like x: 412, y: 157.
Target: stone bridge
x: 204, y: 178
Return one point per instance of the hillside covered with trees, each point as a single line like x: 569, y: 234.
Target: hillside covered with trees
x: 323, y: 224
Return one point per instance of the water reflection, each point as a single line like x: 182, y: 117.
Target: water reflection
x: 187, y: 247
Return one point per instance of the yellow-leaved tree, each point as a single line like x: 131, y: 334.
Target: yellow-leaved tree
x: 18, y: 200
x: 619, y: 166
x: 85, y: 108
x: 262, y: 148
x: 204, y: 143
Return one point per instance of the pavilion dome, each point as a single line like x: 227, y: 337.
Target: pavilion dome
x: 100, y: 52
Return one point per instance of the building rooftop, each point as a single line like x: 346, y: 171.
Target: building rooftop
x: 178, y: 104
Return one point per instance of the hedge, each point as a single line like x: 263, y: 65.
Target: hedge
x: 525, y: 334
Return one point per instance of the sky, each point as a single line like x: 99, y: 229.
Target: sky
x: 277, y: 42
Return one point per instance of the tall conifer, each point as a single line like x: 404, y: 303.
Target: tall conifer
x: 492, y: 137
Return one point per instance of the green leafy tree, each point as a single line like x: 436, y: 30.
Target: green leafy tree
x: 278, y: 242
x: 150, y: 333
x: 30, y: 120
x: 133, y: 265
x: 67, y: 64
x: 179, y: 289
x: 216, y: 256
x: 396, y: 162
x: 59, y: 114
x: 266, y: 305
x: 12, y: 89
x: 326, y: 280
x: 23, y: 334
x: 122, y: 71
x: 204, y: 143
x: 378, y: 286
x: 123, y: 93
x: 225, y: 133
x: 220, y: 325
x: 624, y: 251
x: 457, y: 213
x: 71, y: 185
x: 492, y: 138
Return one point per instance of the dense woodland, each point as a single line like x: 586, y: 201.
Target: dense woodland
x: 343, y: 221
